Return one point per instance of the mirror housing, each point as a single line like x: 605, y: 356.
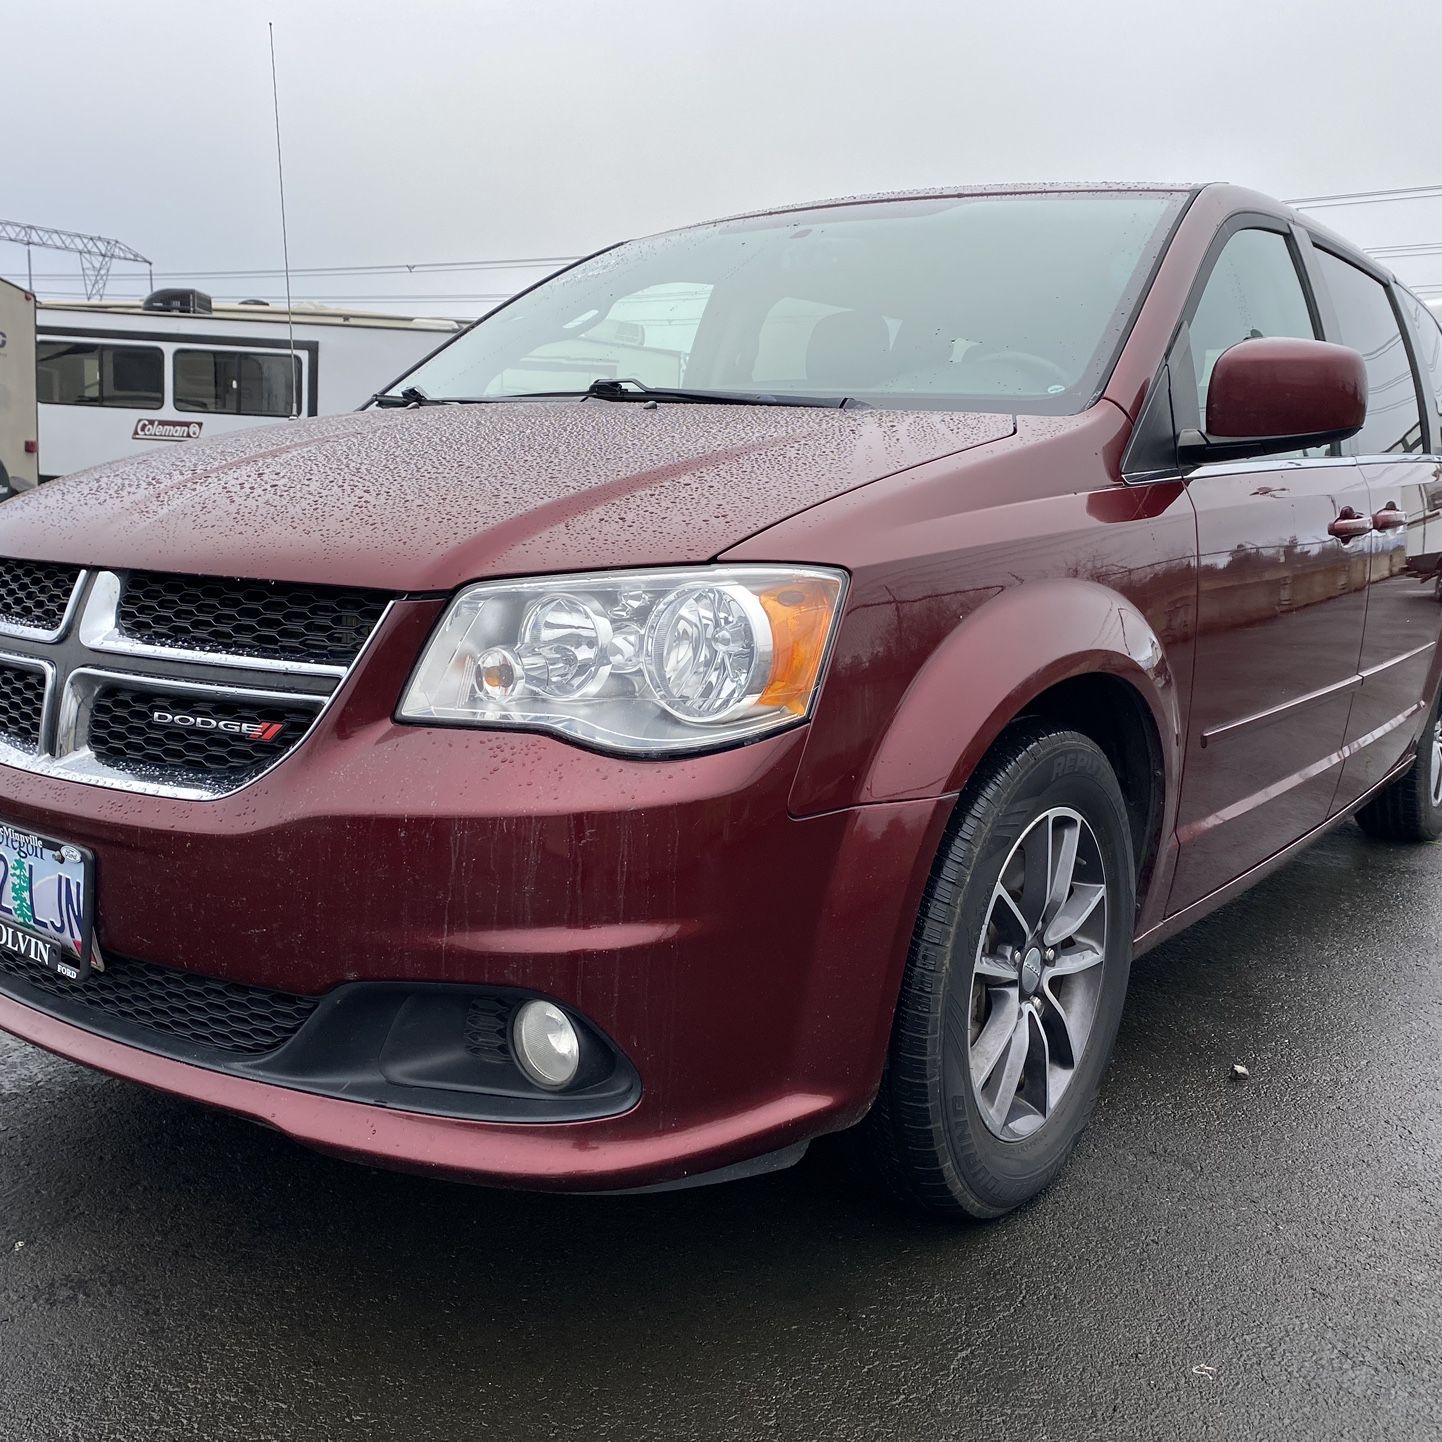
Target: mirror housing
x: 1273, y: 394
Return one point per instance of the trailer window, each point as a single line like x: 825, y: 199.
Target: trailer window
x: 131, y: 377
x: 236, y: 383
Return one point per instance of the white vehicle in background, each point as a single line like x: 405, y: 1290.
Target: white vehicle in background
x: 18, y: 435
x: 117, y: 378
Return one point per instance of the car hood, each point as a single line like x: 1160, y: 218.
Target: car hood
x: 423, y: 499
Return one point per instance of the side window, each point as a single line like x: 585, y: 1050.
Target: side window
x: 1369, y: 325
x: 1428, y: 331
x: 130, y: 377
x: 236, y: 383
x: 1253, y: 290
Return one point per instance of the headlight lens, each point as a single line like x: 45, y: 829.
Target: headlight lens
x: 646, y: 661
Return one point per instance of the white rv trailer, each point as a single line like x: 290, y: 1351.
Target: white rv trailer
x: 18, y: 435
x: 118, y: 378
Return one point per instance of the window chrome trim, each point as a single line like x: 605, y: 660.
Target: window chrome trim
x: 100, y: 631
x: 38, y: 633
x: 1236, y: 468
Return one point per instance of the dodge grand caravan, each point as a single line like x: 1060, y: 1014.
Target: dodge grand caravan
x: 769, y: 679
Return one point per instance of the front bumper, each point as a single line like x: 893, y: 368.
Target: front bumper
x: 741, y: 961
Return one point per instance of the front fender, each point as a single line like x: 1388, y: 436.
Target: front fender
x: 983, y: 673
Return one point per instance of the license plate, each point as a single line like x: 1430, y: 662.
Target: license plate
x: 47, y: 898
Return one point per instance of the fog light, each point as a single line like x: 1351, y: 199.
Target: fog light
x: 546, y: 1044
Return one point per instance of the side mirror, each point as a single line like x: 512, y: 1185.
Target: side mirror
x: 1274, y: 394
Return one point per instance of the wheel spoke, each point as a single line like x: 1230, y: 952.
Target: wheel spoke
x: 1080, y: 958
x: 1072, y: 1040
x: 1064, y: 837
x: 1036, y: 857
x: 996, y: 1032
x: 998, y: 1104
x: 1000, y: 896
x: 1074, y: 912
x: 1051, y: 1083
x: 997, y: 969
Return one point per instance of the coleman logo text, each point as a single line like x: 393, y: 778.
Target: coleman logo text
x: 251, y: 730
x: 153, y: 430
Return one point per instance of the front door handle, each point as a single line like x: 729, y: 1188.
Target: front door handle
x: 1349, y: 525
x: 1389, y: 518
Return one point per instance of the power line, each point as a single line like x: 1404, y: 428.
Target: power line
x: 1367, y: 197
x: 531, y: 262
x: 1422, y: 248
x: 63, y: 297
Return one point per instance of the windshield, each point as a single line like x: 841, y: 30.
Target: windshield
x: 1008, y: 302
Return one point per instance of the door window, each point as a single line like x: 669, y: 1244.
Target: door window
x: 129, y: 377
x: 1254, y: 290
x: 1369, y: 325
x: 236, y: 383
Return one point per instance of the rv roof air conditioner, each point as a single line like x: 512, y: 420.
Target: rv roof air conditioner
x: 181, y: 302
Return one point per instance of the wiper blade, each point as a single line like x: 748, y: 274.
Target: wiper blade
x: 615, y: 390
x: 411, y: 396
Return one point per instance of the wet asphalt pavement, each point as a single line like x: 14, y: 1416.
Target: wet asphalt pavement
x: 1222, y: 1260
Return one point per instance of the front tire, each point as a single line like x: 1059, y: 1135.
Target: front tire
x: 1015, y: 982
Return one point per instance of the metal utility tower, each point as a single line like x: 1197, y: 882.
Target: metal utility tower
x: 95, y: 251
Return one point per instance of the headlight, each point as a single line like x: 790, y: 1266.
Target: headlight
x: 641, y: 661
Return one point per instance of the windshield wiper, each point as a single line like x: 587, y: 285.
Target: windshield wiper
x: 615, y: 390
x: 607, y: 389
x: 411, y: 396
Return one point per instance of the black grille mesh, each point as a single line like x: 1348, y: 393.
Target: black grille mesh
x: 22, y: 697
x: 281, y: 622
x: 124, y: 734
x: 197, y: 1009
x: 35, y: 593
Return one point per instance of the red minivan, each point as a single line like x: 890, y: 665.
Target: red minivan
x: 769, y: 679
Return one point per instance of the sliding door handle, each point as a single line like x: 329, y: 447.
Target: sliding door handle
x: 1349, y: 526
x: 1389, y: 518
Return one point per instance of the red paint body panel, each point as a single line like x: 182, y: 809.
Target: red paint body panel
x: 425, y: 499
x: 737, y: 923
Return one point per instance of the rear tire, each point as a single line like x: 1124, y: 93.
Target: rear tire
x: 997, y: 971
x: 1410, y: 809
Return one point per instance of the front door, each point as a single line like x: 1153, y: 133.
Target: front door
x: 1281, y: 599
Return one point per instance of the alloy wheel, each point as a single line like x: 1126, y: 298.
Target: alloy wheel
x: 1436, y: 762
x: 1037, y: 975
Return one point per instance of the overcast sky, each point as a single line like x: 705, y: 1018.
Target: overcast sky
x: 436, y: 130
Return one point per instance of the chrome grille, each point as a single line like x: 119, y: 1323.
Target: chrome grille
x: 269, y: 619
x: 208, y: 739
x: 22, y: 703
x: 178, y: 686
x: 34, y: 596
